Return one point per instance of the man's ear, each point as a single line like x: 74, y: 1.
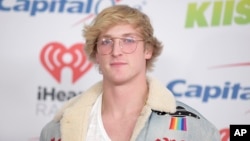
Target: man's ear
x: 148, y: 52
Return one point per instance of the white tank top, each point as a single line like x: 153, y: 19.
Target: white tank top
x: 96, y: 131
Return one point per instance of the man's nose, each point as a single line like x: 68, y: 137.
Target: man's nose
x: 117, y: 48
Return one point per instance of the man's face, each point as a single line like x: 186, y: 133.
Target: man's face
x: 122, y: 63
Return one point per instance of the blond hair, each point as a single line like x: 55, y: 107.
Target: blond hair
x: 121, y: 14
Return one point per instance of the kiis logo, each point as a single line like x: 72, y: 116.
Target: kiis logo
x: 220, y: 13
x: 54, y: 57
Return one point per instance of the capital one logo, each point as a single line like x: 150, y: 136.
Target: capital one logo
x: 55, y: 57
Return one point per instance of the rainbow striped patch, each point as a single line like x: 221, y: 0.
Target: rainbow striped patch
x: 178, y: 123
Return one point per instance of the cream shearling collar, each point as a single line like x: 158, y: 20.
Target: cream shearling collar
x: 74, y: 114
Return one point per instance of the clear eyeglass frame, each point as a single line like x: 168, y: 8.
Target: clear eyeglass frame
x: 128, y: 45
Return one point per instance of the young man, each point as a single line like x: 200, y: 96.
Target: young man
x: 127, y: 104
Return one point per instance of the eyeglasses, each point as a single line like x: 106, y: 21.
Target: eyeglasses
x: 127, y: 44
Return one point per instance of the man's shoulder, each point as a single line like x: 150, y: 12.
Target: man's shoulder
x: 196, y: 118
x: 186, y: 110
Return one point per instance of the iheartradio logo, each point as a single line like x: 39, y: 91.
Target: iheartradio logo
x: 55, y: 56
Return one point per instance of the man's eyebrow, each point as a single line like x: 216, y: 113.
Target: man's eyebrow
x: 122, y: 35
x: 129, y: 34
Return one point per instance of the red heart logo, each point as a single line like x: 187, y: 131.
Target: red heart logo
x: 54, y: 57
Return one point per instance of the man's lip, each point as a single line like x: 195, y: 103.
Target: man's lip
x: 117, y: 63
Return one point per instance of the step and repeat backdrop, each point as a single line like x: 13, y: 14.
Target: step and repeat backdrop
x: 205, y: 61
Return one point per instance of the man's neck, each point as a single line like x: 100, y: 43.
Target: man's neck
x: 122, y: 100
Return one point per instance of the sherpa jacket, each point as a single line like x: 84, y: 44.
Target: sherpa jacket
x: 162, y: 119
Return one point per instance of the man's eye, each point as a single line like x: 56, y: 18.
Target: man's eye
x: 128, y: 40
x: 106, y: 42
